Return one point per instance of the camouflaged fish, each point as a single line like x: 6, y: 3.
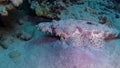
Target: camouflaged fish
x: 79, y: 32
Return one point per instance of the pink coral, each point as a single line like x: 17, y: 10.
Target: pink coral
x: 79, y: 32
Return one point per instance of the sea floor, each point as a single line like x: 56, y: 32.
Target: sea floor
x: 34, y: 49
x: 49, y: 52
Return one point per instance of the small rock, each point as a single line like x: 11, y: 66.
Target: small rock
x: 14, y: 54
x: 6, y: 42
x: 25, y: 36
x: 26, y: 32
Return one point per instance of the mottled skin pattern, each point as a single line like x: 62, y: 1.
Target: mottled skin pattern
x: 79, y: 32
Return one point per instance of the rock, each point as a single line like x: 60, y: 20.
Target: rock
x: 24, y: 36
x: 6, y: 42
x: 14, y: 54
x: 26, y: 32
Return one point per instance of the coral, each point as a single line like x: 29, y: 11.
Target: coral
x: 6, y: 5
x: 3, y: 11
x: 48, y: 8
x: 40, y: 10
x: 79, y: 32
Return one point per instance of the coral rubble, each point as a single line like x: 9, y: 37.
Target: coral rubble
x: 49, y: 8
x: 79, y: 32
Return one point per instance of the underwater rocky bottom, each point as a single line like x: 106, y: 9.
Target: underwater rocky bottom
x: 45, y: 51
x: 70, y: 40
